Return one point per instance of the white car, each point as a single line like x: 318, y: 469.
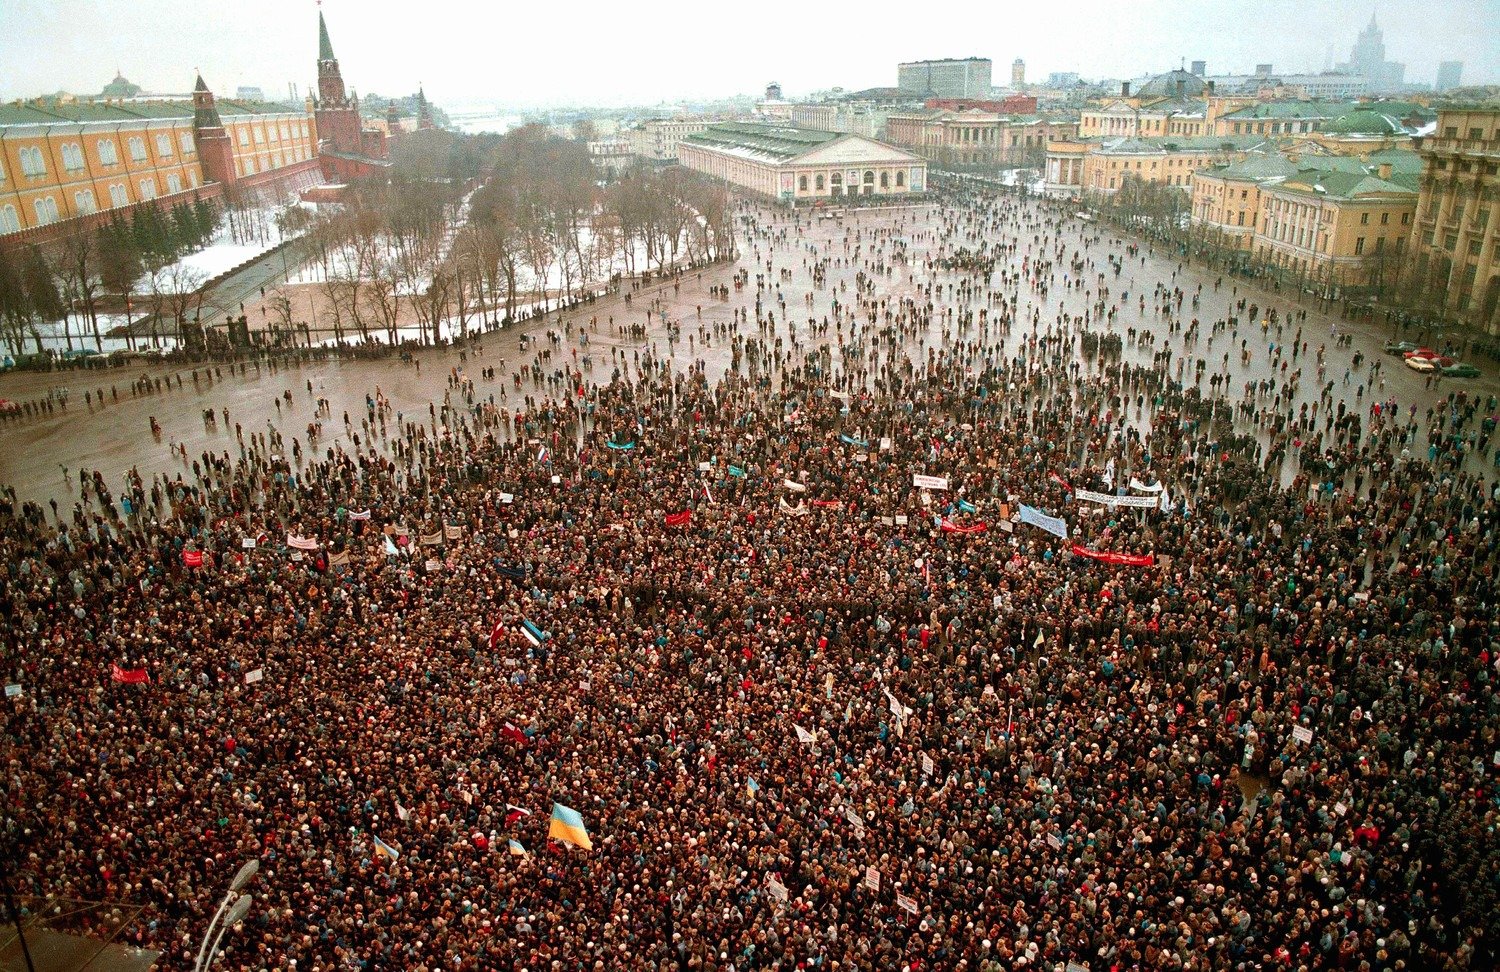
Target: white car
x: 1422, y: 364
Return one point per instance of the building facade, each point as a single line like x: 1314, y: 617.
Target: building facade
x: 1367, y: 60
x: 967, y: 77
x: 1101, y: 166
x: 1458, y: 215
x: 797, y: 164
x: 657, y: 140
x: 977, y: 138
x: 63, y: 162
x: 1335, y: 228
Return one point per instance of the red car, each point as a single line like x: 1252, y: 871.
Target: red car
x: 1421, y: 353
x: 6, y: 405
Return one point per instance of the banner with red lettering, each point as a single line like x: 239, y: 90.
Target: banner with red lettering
x: 192, y: 558
x: 948, y: 526
x: 679, y: 519
x: 1119, y: 559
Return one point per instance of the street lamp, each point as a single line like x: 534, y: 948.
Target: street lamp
x: 237, y: 912
x: 237, y: 904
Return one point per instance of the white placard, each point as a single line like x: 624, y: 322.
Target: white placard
x: 906, y: 903
x: 705, y: 466
x: 885, y: 443
x: 794, y: 486
x: 247, y: 543
x: 1054, y: 842
x: 1302, y: 734
x: 902, y: 519
x: 433, y: 565
x: 12, y: 690
x: 929, y: 482
x: 507, y: 498
x: 872, y: 878
x: 776, y: 889
x: 252, y: 677
x: 1340, y: 808
x: 927, y: 765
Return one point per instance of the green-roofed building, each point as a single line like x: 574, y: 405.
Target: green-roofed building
x: 797, y: 164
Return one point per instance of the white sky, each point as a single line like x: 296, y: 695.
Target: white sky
x: 610, y: 52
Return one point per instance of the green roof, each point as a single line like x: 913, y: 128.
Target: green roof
x: 110, y: 112
x: 1164, y: 144
x: 1365, y: 122
x: 777, y: 141
x: 325, y: 46
x: 1290, y: 110
x: 1344, y: 185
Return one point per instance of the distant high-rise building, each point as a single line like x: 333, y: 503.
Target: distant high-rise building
x: 946, y: 78
x: 1200, y: 68
x: 1062, y: 79
x: 773, y: 91
x: 1450, y: 74
x: 249, y: 93
x: 1368, y: 60
x: 1018, y: 74
x: 1263, y: 70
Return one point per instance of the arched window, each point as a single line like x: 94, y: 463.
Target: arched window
x: 174, y: 182
x: 32, y: 161
x: 869, y: 177
x: 900, y: 179
x: 9, y: 221
x: 818, y: 182
x: 117, y: 197
x: 108, y: 154
x: 137, y: 147
x: 837, y: 179
x: 46, y: 210
x: 885, y: 180
x: 164, y: 146
x: 72, y: 155
x: 148, y: 188
x: 185, y: 142
x: 83, y: 202
x: 802, y: 183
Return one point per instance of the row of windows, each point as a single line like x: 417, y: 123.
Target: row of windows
x: 84, y: 203
x: 34, y: 160
x: 286, y: 130
x: 838, y: 180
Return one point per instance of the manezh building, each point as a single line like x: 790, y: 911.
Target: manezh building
x: 794, y: 164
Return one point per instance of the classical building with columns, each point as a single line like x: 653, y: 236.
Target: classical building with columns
x: 793, y: 164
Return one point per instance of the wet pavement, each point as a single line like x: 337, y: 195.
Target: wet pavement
x: 35, y: 452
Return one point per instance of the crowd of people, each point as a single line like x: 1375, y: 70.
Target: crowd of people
x: 940, y: 601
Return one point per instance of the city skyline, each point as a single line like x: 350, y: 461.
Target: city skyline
x: 77, y: 46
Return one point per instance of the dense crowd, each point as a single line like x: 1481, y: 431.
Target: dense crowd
x: 1242, y: 716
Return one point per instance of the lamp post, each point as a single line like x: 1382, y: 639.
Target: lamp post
x: 236, y: 903
x: 237, y: 912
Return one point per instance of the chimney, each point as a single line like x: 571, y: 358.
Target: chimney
x: 1383, y: 170
x: 1210, y: 89
x: 1181, y: 88
x: 1124, y: 89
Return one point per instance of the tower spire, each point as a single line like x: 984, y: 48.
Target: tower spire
x: 325, y: 46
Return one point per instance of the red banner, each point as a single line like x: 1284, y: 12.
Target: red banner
x: 832, y: 503
x: 679, y: 519
x: 192, y: 558
x: 1122, y: 560
x: 130, y: 676
x: 948, y: 526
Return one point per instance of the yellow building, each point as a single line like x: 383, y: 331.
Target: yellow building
x: 1457, y: 224
x: 1102, y: 165
x: 976, y: 137
x: 794, y: 164
x: 1336, y: 228
x: 63, y: 161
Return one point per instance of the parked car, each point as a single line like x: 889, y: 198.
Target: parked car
x: 1398, y: 347
x: 6, y: 405
x: 1423, y: 365
x: 1461, y: 369
x: 1421, y: 353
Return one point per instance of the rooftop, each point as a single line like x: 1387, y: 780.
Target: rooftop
x: 775, y: 142
x: 81, y: 113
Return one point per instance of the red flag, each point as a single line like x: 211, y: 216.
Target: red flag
x: 512, y: 734
x: 130, y: 676
x: 679, y: 519
x: 948, y: 526
x: 192, y: 558
x: 514, y: 813
x: 496, y: 633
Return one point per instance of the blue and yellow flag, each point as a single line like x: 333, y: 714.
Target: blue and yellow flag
x: 382, y: 849
x: 516, y: 849
x: 752, y: 787
x: 567, y: 826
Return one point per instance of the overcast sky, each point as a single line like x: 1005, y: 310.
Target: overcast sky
x: 606, y: 52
